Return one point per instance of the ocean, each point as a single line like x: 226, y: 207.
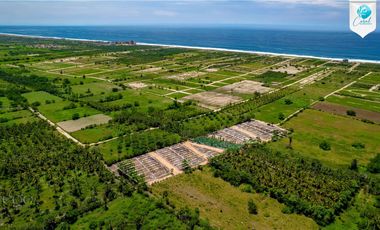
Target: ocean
x: 324, y: 44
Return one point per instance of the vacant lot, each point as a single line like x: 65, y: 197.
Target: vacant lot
x: 75, y: 125
x: 225, y: 206
x: 245, y: 87
x: 342, y: 110
x: 213, y: 100
x: 312, y: 127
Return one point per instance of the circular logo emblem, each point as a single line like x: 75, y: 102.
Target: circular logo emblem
x: 364, y: 12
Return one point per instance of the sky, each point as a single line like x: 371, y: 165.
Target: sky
x: 312, y: 14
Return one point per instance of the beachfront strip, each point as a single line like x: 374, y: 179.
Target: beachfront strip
x: 173, y: 160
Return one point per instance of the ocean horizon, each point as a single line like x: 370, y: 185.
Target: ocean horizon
x: 307, y: 43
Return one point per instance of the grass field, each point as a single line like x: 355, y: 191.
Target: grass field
x: 311, y: 127
x: 355, y: 102
x: 225, y: 206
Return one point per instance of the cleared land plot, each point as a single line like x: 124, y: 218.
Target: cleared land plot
x: 245, y: 87
x: 145, y: 166
x: 248, y: 131
x: 208, y: 151
x: 312, y: 127
x: 225, y: 206
x: 185, y: 76
x: 137, y: 85
x: 75, y: 125
x: 231, y: 135
x: 342, y: 110
x: 213, y: 100
x: 289, y: 69
x: 177, y: 154
x: 166, y: 162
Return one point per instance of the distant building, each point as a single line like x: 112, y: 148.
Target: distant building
x: 131, y: 43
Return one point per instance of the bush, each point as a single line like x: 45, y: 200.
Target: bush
x: 281, y: 116
x: 358, y: 145
x: 36, y: 104
x: 354, y: 165
x: 288, y: 102
x: 75, y: 116
x: 325, y: 146
x: 252, y: 208
x: 374, y: 164
x: 351, y: 113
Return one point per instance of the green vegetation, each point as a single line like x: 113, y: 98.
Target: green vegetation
x: 305, y: 186
x: 312, y: 128
x: 224, y: 205
x: 317, y: 171
x: 374, y: 164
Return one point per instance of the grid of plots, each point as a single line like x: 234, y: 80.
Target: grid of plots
x: 169, y: 161
x: 159, y: 165
x: 252, y: 130
x: 207, y: 151
x: 146, y: 166
x: 177, y: 154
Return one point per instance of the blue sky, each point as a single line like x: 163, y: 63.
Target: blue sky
x: 312, y: 14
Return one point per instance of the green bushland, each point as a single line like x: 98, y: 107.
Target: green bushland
x: 305, y: 186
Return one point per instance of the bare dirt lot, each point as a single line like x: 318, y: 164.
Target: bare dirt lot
x: 75, y: 125
x: 185, y: 76
x: 342, y: 110
x: 213, y: 100
x: 137, y: 85
x: 245, y: 87
x: 289, y: 69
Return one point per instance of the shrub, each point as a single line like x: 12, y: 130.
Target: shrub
x: 358, y: 145
x: 281, y: 116
x: 351, y: 113
x: 354, y: 165
x: 288, y: 102
x: 75, y: 116
x: 36, y: 104
x: 324, y: 145
x: 252, y: 208
x: 374, y: 164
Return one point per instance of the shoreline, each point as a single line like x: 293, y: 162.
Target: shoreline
x: 200, y: 48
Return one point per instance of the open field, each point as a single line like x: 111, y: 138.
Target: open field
x: 75, y: 125
x: 311, y: 127
x: 225, y: 206
x: 343, y: 110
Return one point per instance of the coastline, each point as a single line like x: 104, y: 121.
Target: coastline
x: 200, y: 48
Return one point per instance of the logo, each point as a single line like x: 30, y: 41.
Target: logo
x: 364, y: 12
x: 363, y: 16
